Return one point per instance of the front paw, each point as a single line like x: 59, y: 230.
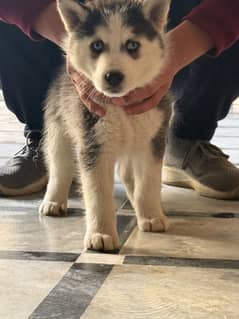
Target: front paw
x: 101, y: 241
x: 49, y: 208
x: 157, y: 224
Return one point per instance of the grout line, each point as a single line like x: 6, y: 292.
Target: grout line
x: 221, y: 215
x: 224, y: 215
x: 182, y: 262
x: 39, y: 256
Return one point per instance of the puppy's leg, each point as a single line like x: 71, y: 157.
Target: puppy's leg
x: 97, y: 179
x: 126, y: 174
x: 147, y: 192
x: 60, y: 162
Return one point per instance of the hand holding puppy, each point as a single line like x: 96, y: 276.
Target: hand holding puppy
x: 181, y: 53
x: 186, y: 43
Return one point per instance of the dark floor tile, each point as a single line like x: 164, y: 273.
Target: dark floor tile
x: 125, y: 225
x: 72, y: 295
x: 182, y: 262
x: 39, y: 256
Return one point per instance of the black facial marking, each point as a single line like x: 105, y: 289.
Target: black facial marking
x: 91, y: 149
x: 133, y: 55
x: 97, y: 17
x: 88, y: 27
x: 95, y: 54
x: 135, y: 19
x: 132, y: 15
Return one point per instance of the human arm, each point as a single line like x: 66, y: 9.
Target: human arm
x: 219, y: 19
x: 40, y: 19
x: 185, y: 43
x: 23, y: 13
x: 179, y: 55
x: 211, y: 25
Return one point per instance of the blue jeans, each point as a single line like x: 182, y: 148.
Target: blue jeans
x: 26, y: 69
x: 205, y: 90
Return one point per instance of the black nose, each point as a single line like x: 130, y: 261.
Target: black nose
x: 114, y: 78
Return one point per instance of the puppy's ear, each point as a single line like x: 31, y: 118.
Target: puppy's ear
x: 72, y: 12
x: 156, y: 11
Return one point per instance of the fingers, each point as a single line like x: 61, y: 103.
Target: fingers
x: 147, y: 104
x: 149, y: 96
x: 90, y: 103
x: 83, y: 87
x: 137, y: 95
x: 92, y: 106
x: 82, y: 83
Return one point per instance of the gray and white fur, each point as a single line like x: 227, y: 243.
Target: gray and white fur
x: 118, y: 46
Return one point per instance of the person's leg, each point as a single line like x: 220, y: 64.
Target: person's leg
x: 26, y: 69
x: 204, y: 92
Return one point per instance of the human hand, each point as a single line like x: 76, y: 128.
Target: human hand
x: 87, y: 92
x: 185, y: 43
x: 143, y: 99
x: 148, y: 96
x: 140, y: 100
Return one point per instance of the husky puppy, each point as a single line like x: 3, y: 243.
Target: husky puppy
x: 119, y: 46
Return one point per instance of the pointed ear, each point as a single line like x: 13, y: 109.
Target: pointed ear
x: 72, y: 13
x: 156, y: 11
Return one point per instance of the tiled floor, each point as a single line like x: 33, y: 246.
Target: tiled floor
x: 190, y: 272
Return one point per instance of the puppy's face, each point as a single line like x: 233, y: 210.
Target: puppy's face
x: 118, y: 45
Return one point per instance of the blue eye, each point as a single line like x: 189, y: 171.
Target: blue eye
x: 97, y: 46
x: 132, y: 46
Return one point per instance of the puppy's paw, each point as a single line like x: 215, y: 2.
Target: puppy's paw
x: 100, y: 241
x: 158, y: 224
x: 52, y: 208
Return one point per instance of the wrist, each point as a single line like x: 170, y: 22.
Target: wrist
x: 49, y: 24
x: 186, y: 43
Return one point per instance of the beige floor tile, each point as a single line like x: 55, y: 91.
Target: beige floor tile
x: 136, y: 292
x: 96, y: 258
x: 24, y: 284
x: 186, y: 200
x: 182, y: 200
x: 28, y: 232
x: 189, y: 237
x: 75, y: 200
x: 22, y: 229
